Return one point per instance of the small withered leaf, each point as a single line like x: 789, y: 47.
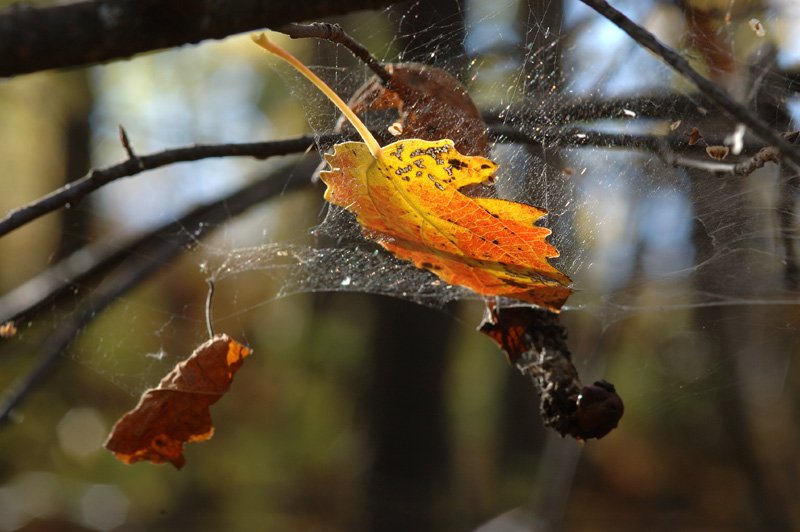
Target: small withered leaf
x: 694, y: 136
x: 717, y: 152
x: 177, y: 411
x: 431, y: 104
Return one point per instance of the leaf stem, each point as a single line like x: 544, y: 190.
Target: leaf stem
x: 262, y: 40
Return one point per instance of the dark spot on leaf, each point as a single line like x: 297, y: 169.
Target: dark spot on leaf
x: 513, y: 282
x: 455, y: 163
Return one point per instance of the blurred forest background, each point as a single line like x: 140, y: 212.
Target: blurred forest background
x: 359, y: 411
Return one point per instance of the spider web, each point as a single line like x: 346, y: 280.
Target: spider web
x: 641, y: 225
x: 634, y: 232
x: 687, y: 268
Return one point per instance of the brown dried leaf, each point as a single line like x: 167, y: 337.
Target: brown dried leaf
x: 177, y: 411
x: 8, y: 329
x: 717, y: 152
x: 694, y: 136
x: 432, y: 105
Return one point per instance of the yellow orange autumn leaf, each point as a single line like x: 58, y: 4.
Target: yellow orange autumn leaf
x: 406, y: 197
x: 408, y: 201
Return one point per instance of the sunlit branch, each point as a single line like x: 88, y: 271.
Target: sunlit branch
x: 573, y: 138
x: 713, y: 91
x: 558, y: 137
x: 34, y: 37
x: 152, y: 252
x: 75, y: 191
x: 335, y: 33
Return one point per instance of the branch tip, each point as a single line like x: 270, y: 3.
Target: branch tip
x: 126, y: 143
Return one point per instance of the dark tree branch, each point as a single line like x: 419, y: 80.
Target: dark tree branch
x: 155, y: 250
x: 657, y: 106
x: 72, y: 193
x: 713, y: 91
x: 95, y: 260
x: 34, y: 38
x: 664, y: 146
x: 335, y: 33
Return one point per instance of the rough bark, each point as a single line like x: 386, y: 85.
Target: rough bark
x: 56, y: 36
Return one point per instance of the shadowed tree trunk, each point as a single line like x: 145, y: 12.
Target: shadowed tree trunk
x: 408, y: 434
x: 407, y: 416
x: 734, y: 343
x: 75, y: 221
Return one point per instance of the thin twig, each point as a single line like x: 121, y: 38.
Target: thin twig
x: 335, y: 33
x: 75, y: 191
x: 209, y: 298
x: 126, y: 143
x: 663, y: 146
x: 713, y: 91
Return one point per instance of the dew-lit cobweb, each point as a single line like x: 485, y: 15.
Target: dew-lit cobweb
x: 641, y: 225
x: 689, y: 270
x: 634, y: 231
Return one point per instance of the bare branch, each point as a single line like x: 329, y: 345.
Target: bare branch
x: 75, y: 191
x: 95, y: 260
x: 713, y: 91
x: 554, y: 137
x: 552, y: 112
x: 34, y: 38
x: 335, y: 33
